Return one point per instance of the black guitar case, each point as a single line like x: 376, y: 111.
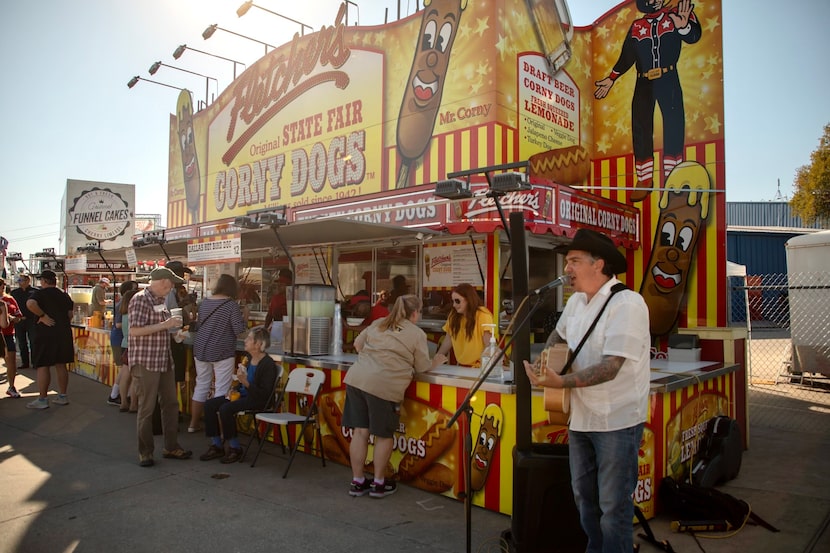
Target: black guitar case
x: 719, y: 457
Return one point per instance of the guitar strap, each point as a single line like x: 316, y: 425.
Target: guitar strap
x: 618, y: 287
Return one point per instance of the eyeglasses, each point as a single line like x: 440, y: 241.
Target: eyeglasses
x: 456, y: 301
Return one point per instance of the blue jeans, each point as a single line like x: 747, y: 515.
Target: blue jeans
x: 603, y: 477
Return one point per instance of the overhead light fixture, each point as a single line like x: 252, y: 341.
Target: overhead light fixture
x: 510, y: 182
x: 134, y: 81
x: 151, y: 237
x: 90, y: 247
x: 208, y: 32
x: 453, y: 189
x: 177, y: 53
x: 244, y: 221
x: 46, y: 252
x: 243, y: 9
x: 270, y: 216
x: 158, y: 65
x: 272, y: 219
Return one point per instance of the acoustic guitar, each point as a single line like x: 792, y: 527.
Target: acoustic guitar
x: 557, y: 400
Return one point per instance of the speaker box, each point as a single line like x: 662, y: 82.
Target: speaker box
x: 545, y: 518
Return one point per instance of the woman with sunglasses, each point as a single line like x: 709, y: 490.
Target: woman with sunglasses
x: 466, y: 335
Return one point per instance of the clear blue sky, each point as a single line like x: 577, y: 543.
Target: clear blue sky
x: 67, y: 111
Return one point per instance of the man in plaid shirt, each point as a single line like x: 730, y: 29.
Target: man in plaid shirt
x: 152, y: 365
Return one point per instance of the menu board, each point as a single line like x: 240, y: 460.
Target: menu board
x: 448, y: 265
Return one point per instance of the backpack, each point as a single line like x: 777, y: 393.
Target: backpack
x: 719, y: 457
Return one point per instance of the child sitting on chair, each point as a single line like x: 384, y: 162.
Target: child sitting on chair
x: 257, y: 379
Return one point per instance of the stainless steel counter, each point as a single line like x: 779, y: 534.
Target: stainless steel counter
x: 665, y: 376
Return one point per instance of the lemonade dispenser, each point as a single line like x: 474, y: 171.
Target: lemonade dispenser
x: 82, y: 297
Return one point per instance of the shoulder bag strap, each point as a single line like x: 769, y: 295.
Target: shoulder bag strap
x: 614, y: 289
x: 214, y: 311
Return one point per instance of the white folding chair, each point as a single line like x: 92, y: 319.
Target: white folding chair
x: 297, y: 407
x: 270, y: 406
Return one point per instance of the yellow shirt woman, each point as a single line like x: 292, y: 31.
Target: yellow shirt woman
x: 465, y: 334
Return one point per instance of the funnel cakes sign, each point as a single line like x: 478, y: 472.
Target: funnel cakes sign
x: 98, y: 211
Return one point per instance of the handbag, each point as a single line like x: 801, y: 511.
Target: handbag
x: 195, y: 325
x: 558, y: 400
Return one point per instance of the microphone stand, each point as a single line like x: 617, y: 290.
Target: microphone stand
x: 466, y: 409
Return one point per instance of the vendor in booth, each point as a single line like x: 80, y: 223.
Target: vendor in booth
x: 466, y: 334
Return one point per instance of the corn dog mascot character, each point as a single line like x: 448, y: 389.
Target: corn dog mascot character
x: 425, y: 85
x: 684, y: 207
x: 653, y: 44
x: 190, y: 162
x: 485, y: 446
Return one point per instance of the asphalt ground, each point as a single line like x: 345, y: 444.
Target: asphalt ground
x: 70, y: 482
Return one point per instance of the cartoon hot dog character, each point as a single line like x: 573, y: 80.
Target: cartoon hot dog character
x: 684, y: 207
x: 485, y: 446
x: 425, y: 85
x: 190, y: 162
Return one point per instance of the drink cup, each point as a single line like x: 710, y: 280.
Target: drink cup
x: 177, y: 312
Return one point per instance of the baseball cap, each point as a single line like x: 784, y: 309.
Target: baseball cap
x: 164, y: 273
x: 48, y: 275
x: 23, y: 277
x: 105, y: 280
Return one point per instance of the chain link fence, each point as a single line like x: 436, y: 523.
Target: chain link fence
x: 788, y: 348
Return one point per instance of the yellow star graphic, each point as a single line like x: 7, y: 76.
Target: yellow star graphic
x: 501, y: 46
x: 431, y: 417
x: 711, y: 24
x: 601, y: 32
x: 713, y: 124
x: 482, y: 27
x: 622, y: 16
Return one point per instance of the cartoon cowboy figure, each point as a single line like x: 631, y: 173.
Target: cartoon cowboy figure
x: 653, y: 45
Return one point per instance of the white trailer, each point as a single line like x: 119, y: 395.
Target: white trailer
x: 808, y: 275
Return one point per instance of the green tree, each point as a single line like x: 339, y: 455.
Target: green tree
x: 811, y: 199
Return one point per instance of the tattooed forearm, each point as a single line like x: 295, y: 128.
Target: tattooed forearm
x: 603, y: 371
x: 553, y: 339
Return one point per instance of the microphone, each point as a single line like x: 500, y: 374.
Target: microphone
x: 561, y: 281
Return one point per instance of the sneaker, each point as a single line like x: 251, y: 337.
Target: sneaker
x: 62, y: 399
x: 382, y: 490
x: 213, y: 452
x: 146, y: 462
x: 114, y: 400
x: 39, y: 403
x: 358, y: 489
x: 12, y: 392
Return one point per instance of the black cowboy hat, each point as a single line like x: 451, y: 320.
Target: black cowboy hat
x: 599, y: 245
x: 178, y: 268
